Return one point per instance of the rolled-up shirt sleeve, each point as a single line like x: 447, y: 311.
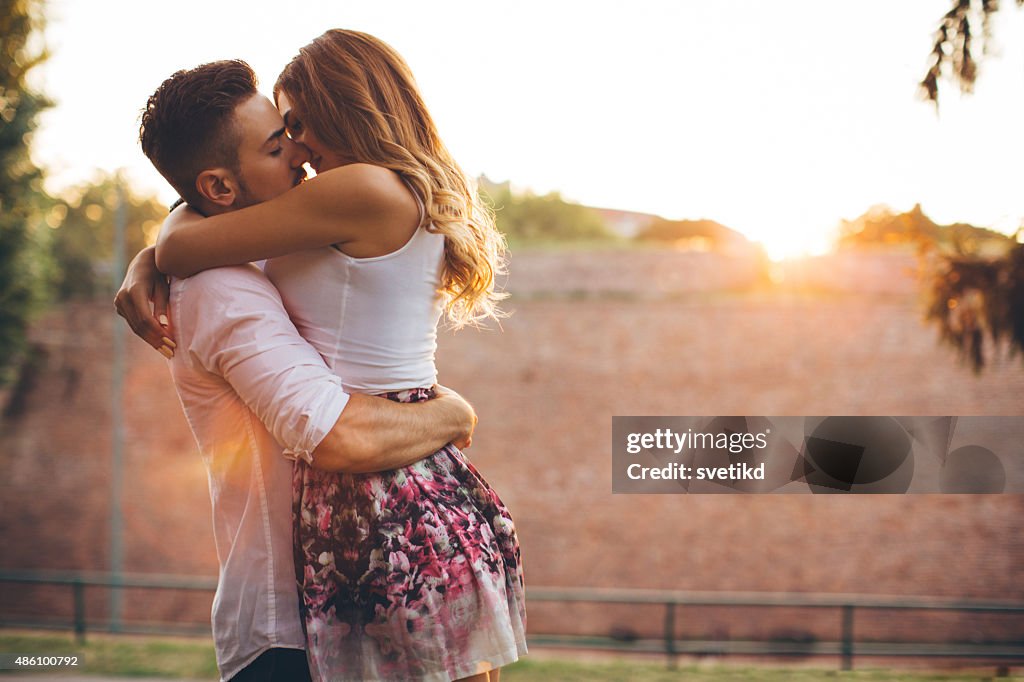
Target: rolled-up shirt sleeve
x: 237, y: 328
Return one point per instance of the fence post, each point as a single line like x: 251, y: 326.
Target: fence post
x: 670, y: 634
x: 78, y: 588
x: 847, y: 636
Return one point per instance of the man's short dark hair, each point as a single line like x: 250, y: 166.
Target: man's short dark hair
x: 188, y: 124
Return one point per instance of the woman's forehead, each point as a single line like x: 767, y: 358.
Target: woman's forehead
x: 284, y: 104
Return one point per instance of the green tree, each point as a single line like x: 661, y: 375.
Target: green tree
x: 532, y: 218
x: 21, y: 195
x: 83, y: 234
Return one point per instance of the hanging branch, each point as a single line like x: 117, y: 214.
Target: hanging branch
x: 953, y: 43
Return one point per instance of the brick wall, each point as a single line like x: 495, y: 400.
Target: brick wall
x: 545, y: 388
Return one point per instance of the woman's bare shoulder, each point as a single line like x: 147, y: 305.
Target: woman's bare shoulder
x: 390, y: 210
x: 366, y: 176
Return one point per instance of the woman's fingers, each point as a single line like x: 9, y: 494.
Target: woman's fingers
x: 161, y: 305
x: 161, y: 299
x: 143, y: 299
x: 133, y: 304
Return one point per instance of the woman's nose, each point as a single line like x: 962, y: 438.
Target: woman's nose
x: 300, y: 153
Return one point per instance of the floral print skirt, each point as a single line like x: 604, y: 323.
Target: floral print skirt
x: 411, y: 574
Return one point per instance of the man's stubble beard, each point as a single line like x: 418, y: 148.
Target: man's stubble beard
x: 245, y: 196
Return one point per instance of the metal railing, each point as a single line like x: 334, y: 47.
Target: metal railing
x: 846, y: 606
x: 78, y: 581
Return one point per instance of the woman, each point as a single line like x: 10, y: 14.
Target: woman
x: 414, y: 573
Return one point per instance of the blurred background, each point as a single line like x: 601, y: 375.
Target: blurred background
x: 731, y: 208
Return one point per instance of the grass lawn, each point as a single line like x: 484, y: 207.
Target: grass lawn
x: 135, y: 656
x: 127, y: 655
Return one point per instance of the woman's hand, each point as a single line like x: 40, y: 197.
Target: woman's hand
x: 142, y: 300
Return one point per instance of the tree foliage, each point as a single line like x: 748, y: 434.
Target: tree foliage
x: 83, y: 234
x: 976, y: 301
x: 976, y: 293
x: 531, y: 218
x: 21, y: 196
x: 974, y: 297
x: 881, y: 225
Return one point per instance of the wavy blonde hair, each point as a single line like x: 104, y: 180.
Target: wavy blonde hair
x: 359, y: 97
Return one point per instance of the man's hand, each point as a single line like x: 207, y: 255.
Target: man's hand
x: 377, y: 434
x: 142, y: 300
x: 460, y: 405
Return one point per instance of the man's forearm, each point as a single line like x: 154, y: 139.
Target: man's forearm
x: 376, y: 434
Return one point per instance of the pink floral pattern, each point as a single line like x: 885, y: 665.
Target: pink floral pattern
x: 412, y: 574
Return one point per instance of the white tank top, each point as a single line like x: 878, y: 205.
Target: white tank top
x: 374, y: 320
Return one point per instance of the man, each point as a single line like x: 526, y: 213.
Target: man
x: 252, y: 389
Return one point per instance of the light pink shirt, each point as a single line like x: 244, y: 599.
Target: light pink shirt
x: 254, y: 393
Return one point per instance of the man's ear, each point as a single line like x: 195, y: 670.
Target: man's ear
x: 218, y: 186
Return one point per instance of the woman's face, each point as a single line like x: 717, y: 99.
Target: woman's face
x: 321, y: 158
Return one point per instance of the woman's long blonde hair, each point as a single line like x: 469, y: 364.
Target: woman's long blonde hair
x: 359, y: 97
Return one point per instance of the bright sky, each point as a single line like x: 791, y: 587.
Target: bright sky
x: 774, y: 118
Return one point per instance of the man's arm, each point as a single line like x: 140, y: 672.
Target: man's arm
x: 237, y: 328
x: 370, y: 435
